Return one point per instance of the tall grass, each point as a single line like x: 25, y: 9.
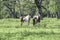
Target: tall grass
x: 15, y: 23
x: 47, y: 29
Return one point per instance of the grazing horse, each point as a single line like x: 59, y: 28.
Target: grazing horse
x: 25, y: 19
x: 36, y: 19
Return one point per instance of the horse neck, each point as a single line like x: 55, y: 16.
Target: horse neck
x: 28, y: 16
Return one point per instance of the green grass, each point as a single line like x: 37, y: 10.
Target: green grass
x: 29, y: 34
x: 49, y: 29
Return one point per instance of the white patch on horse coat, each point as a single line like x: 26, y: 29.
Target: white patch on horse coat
x: 35, y: 17
x: 26, y: 18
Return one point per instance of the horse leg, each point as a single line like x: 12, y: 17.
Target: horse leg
x: 21, y: 23
x: 33, y: 21
x: 39, y: 19
x: 28, y: 22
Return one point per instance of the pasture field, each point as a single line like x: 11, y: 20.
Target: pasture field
x: 47, y: 29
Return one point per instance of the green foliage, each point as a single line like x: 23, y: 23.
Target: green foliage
x: 52, y: 6
x: 24, y: 7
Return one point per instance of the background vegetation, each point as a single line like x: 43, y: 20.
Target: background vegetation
x: 47, y: 29
x: 16, y: 8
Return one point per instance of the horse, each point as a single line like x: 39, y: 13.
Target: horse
x: 36, y: 19
x: 25, y: 19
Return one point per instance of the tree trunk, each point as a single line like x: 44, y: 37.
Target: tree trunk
x: 58, y: 14
x: 40, y: 12
x: 38, y: 3
x: 48, y: 14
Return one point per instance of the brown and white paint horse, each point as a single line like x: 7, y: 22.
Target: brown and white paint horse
x: 36, y: 19
x: 25, y: 19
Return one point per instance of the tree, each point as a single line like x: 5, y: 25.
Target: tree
x: 10, y: 4
x: 39, y: 6
x: 58, y: 8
